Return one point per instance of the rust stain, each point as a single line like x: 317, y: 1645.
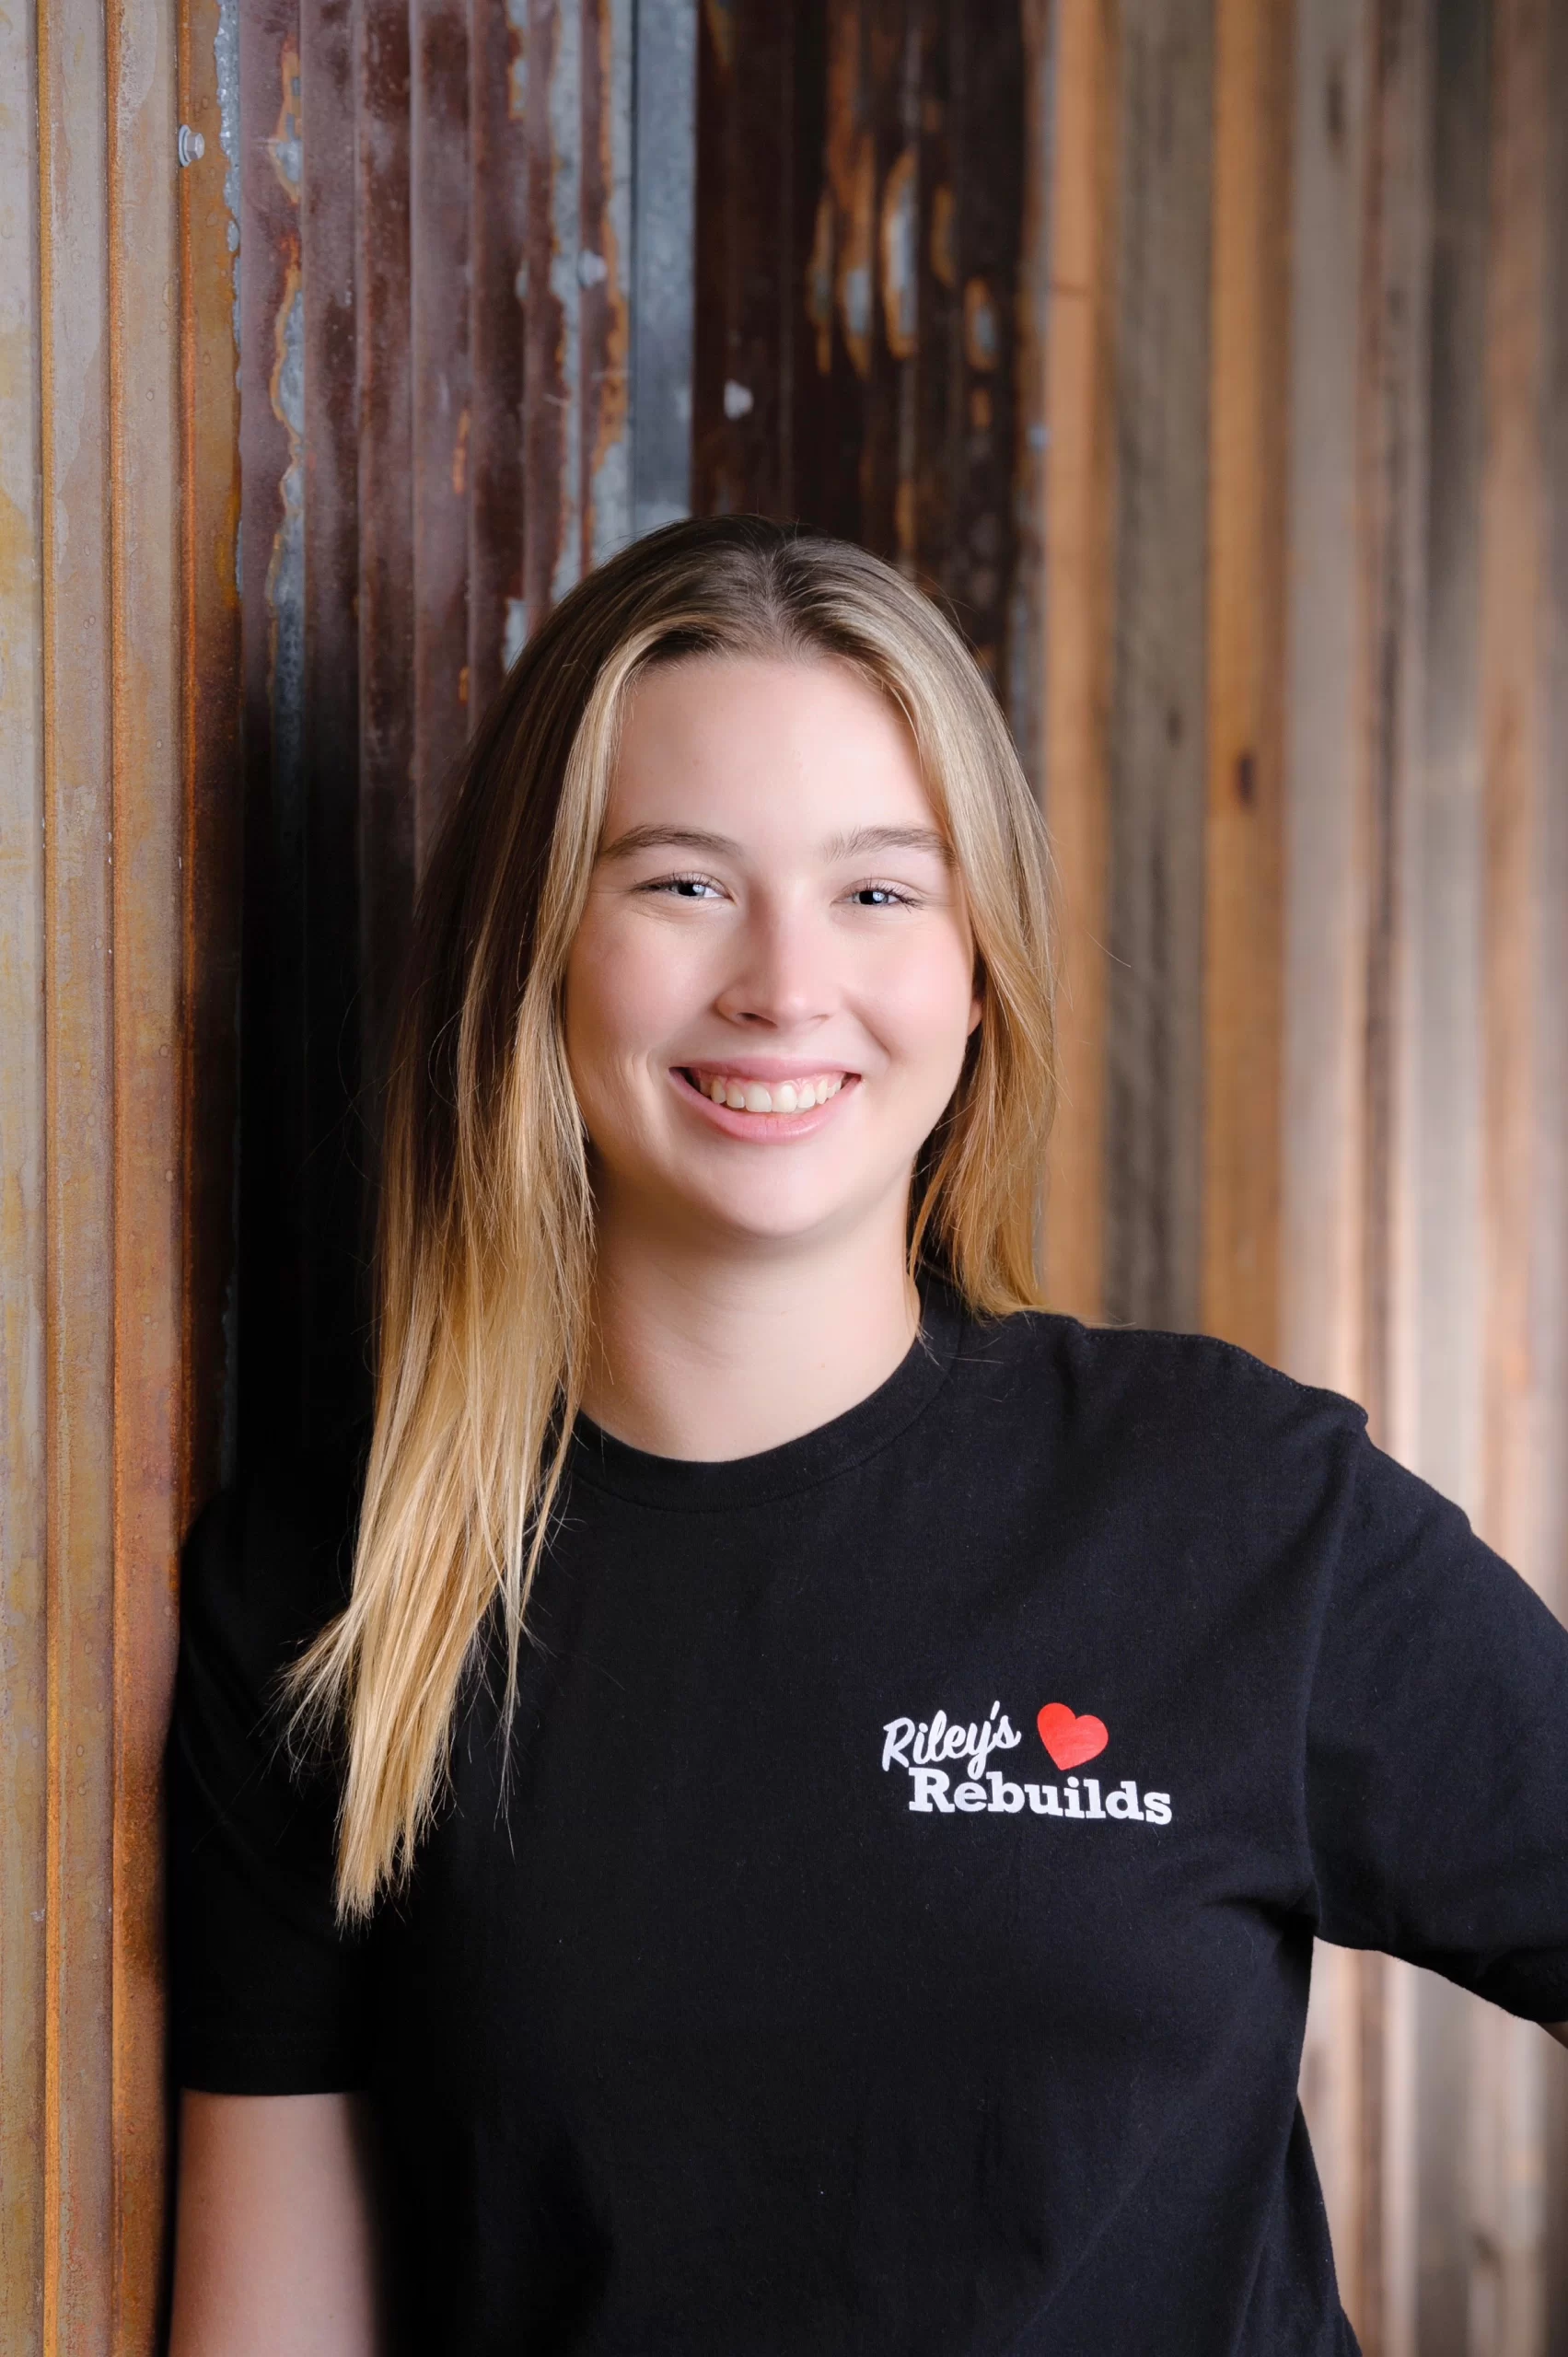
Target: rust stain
x: 982, y: 328
x: 461, y: 456
x: 900, y: 266
x: 981, y: 412
x: 284, y: 146
x: 819, y: 282
x: 943, y: 239
x: 463, y: 685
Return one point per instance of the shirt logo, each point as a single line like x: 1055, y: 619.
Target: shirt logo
x: 918, y: 1745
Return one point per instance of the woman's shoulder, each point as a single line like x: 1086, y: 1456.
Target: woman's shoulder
x: 1178, y: 1399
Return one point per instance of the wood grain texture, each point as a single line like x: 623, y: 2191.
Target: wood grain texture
x: 145, y: 970
x: 1154, y: 1055
x: 1521, y: 1232
x: 1248, y: 430
x: 210, y: 727
x: 24, y: 1666
x: 78, y: 2142
x: 1079, y: 493
x: 438, y: 329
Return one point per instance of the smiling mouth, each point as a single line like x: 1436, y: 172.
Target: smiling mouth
x: 746, y: 1095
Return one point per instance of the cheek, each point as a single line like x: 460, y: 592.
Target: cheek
x: 924, y: 1002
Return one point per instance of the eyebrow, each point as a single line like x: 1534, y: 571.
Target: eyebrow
x: 851, y: 845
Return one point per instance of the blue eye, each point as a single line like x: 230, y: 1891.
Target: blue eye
x: 879, y: 896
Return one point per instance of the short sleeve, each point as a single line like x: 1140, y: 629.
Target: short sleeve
x: 268, y: 1996
x: 1437, y: 1750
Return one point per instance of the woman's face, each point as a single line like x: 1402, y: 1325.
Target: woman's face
x: 770, y: 993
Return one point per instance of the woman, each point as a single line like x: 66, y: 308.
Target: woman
x: 834, y: 1773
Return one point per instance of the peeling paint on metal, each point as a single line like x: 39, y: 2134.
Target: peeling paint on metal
x: 283, y: 146
x: 663, y: 255
x: 226, y: 58
x: 286, y: 572
x: 565, y: 193
x: 609, y: 482
x: 518, y: 63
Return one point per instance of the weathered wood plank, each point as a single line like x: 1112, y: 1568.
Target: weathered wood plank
x: 209, y: 332
x: 1080, y: 364
x: 78, y: 2137
x: 24, y: 1666
x: 1243, y: 893
x: 273, y: 1067
x: 1520, y: 1231
x: 335, y: 1306
x: 145, y: 965
x: 497, y: 239
x: 438, y: 186
x: 1153, y: 1076
x: 385, y: 516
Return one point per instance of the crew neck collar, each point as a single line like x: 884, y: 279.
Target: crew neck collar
x: 690, y: 1485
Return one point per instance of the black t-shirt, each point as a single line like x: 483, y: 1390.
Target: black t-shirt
x: 896, y: 1934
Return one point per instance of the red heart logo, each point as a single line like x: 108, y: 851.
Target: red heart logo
x: 1071, y: 1740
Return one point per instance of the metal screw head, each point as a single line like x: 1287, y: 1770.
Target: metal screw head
x: 190, y: 146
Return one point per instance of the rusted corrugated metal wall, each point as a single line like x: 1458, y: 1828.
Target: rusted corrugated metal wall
x: 443, y: 213
x: 318, y: 382
x: 1281, y: 613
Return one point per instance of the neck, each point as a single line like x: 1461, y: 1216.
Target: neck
x: 704, y: 1353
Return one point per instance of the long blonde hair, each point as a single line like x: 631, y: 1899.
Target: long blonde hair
x: 485, y: 1241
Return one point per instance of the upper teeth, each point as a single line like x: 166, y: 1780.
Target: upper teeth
x: 783, y: 1097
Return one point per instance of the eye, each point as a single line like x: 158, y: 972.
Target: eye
x: 685, y: 887
x: 882, y: 896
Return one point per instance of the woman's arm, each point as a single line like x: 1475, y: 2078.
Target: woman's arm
x: 275, y: 2240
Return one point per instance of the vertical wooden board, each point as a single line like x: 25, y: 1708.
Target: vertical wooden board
x: 23, y: 1493
x: 549, y: 325
x: 386, y: 518
x: 497, y: 232
x: 712, y: 492
x: 747, y: 383
x: 1551, y: 886
x: 438, y: 225
x: 1248, y: 425
x: 209, y: 234
x: 986, y: 140
x: 939, y: 362
x: 837, y: 288
x: 1154, y: 1045
x: 604, y: 232
x: 663, y: 253
x: 1026, y: 626
x: 335, y: 1308
x: 882, y: 61
x: 1080, y: 378
x: 1321, y: 1315
x: 1521, y: 1514
x: 144, y: 244
x: 78, y: 822
x: 1320, y: 1337
x: 272, y: 428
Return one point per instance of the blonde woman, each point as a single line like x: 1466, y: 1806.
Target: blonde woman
x: 786, y: 1807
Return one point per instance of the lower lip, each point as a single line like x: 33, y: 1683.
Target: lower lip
x: 763, y: 1129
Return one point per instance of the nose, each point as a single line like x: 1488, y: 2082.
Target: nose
x: 782, y: 977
